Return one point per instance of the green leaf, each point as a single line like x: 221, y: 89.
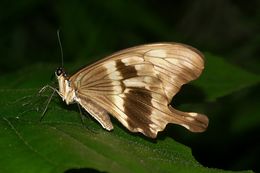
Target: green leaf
x: 60, y: 143
x: 221, y: 78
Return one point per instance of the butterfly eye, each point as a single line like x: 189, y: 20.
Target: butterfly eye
x: 59, y: 71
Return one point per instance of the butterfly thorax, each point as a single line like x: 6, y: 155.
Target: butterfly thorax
x: 66, y: 92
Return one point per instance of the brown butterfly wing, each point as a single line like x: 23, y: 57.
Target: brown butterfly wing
x: 137, y: 84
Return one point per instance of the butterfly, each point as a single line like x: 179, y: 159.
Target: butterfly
x: 136, y: 86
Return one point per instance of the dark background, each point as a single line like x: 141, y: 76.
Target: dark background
x: 95, y: 28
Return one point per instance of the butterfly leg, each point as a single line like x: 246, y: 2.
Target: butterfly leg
x: 46, y: 107
x: 49, y: 99
x: 46, y: 87
x: 81, y: 114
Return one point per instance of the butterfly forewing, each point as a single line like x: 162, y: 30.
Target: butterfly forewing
x: 136, y: 86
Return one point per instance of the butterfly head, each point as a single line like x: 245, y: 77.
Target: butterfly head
x: 66, y: 92
x: 60, y: 72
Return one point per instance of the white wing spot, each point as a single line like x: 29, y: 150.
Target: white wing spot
x: 193, y: 114
x: 119, y: 102
x: 157, y: 53
x: 110, y: 66
x: 115, y: 75
x: 132, y: 60
x: 134, y: 82
x: 190, y: 118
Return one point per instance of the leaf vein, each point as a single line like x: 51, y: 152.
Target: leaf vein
x: 26, y: 143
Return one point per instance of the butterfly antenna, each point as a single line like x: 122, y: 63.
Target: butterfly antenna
x: 61, y: 50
